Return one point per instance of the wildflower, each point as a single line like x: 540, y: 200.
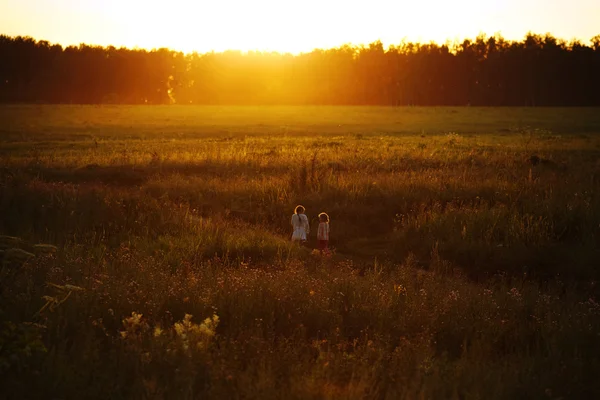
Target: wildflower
x: 454, y: 295
x: 180, y: 329
x: 312, y: 292
x: 209, y: 325
x: 205, y: 330
x: 158, y: 331
x: 132, y: 324
x: 400, y: 290
x: 200, y: 334
x: 514, y: 293
x: 135, y: 319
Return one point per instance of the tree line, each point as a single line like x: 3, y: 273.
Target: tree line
x: 540, y: 70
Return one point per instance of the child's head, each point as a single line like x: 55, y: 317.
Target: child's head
x: 323, y: 217
x: 299, y: 210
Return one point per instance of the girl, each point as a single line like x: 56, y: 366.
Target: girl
x: 323, y: 232
x: 300, y: 225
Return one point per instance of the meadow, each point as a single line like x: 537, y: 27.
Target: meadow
x: 146, y: 252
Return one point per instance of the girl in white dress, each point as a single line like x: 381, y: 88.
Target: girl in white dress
x: 300, y: 225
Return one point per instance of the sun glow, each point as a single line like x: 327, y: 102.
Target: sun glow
x: 293, y: 26
x: 271, y: 25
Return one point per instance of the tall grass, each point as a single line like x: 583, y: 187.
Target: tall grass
x: 462, y: 267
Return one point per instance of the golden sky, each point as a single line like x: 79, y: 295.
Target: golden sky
x: 290, y: 26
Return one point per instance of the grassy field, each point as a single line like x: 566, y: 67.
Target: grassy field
x: 465, y: 263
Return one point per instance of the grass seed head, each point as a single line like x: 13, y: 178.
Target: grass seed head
x: 44, y: 249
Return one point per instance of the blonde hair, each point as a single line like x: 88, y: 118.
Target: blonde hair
x: 299, y: 209
x: 323, y: 217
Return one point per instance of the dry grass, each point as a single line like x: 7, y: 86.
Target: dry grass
x: 462, y: 267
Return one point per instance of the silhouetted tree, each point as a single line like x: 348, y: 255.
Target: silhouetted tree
x: 538, y: 71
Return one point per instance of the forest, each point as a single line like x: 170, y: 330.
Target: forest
x: 540, y: 70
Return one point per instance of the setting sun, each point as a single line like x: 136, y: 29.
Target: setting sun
x: 293, y: 27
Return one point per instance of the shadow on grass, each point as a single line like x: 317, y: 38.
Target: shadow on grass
x: 132, y: 175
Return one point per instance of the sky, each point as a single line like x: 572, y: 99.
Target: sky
x: 290, y: 26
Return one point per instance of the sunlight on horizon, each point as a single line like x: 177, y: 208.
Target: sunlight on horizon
x: 269, y: 25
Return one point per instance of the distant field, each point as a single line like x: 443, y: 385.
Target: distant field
x: 190, y: 122
x: 466, y: 252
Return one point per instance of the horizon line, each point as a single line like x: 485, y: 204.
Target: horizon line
x: 451, y: 43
